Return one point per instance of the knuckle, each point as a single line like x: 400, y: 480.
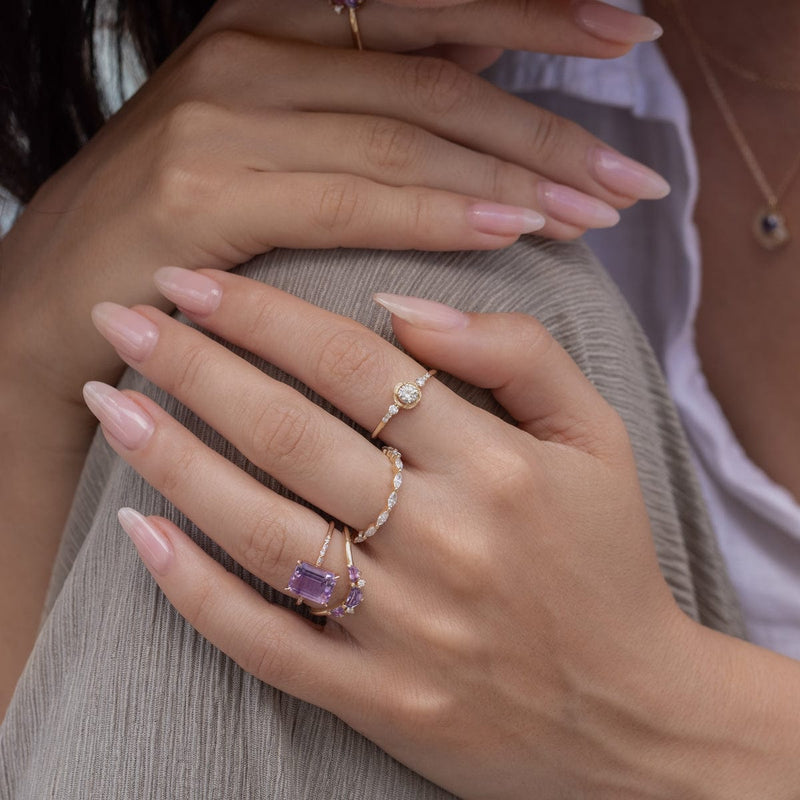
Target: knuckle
x: 284, y: 432
x: 547, y: 135
x: 265, y: 657
x: 349, y: 356
x: 437, y: 85
x: 264, y: 547
x: 338, y: 205
x: 500, y: 177
x: 391, y: 145
x: 175, y: 473
x: 534, y: 340
x: 186, y: 376
x: 202, y: 603
x: 212, y: 57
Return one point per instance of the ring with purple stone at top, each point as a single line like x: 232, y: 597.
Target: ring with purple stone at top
x: 351, y: 6
x: 396, y: 460
x: 355, y: 595
x: 406, y: 395
x: 311, y: 582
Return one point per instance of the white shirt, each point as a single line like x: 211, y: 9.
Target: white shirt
x: 635, y: 104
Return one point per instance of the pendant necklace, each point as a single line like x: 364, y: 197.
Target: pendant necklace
x: 770, y: 227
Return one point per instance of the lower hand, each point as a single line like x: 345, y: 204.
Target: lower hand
x: 515, y: 628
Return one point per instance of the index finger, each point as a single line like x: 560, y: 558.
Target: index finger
x: 591, y: 29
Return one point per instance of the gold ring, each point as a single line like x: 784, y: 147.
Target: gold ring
x: 406, y: 395
x: 355, y: 595
x: 340, y: 6
x: 310, y: 581
x: 396, y: 460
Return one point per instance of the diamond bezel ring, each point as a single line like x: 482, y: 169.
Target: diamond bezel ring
x: 396, y: 460
x: 355, y: 594
x: 406, y: 394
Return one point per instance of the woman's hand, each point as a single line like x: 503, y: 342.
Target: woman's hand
x: 515, y: 635
x: 257, y: 134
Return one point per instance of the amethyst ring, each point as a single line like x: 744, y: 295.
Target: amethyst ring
x: 407, y: 394
x: 351, y: 6
x: 311, y: 582
x: 396, y: 460
x: 355, y: 595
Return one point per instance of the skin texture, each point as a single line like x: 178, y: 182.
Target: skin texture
x: 528, y: 701
x: 206, y: 166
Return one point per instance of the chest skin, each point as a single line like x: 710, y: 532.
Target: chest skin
x: 748, y: 323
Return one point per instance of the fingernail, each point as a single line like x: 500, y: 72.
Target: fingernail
x: 502, y: 220
x: 190, y: 291
x: 153, y: 547
x: 130, y: 333
x: 125, y: 420
x: 421, y: 313
x: 625, y: 176
x: 576, y: 208
x: 614, y: 24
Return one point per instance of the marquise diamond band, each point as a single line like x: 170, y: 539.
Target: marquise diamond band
x: 396, y: 460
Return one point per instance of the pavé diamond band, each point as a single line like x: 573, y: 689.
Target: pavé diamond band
x: 396, y: 460
x: 350, y: 6
x: 311, y: 582
x: 406, y: 395
x: 355, y: 595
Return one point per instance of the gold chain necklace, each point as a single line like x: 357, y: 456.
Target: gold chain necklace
x: 769, y: 225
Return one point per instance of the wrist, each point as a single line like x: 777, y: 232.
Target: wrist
x: 725, y: 719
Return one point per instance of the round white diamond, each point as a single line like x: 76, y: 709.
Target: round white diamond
x: 407, y: 394
x: 393, y: 410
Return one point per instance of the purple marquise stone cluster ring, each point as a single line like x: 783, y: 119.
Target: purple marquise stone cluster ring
x: 355, y: 595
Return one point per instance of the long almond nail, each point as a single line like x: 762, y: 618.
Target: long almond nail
x: 190, y: 291
x: 131, y: 334
x: 420, y: 313
x: 627, y: 177
x: 503, y: 220
x: 153, y: 547
x: 125, y: 420
x: 613, y: 24
x: 576, y: 208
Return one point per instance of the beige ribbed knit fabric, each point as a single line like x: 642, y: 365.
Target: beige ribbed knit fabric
x: 123, y: 699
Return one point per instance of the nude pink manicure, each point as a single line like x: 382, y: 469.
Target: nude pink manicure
x: 190, y: 291
x: 613, y: 24
x: 627, y: 177
x: 421, y: 313
x: 120, y: 416
x: 131, y: 334
x: 153, y: 547
x: 576, y: 208
x: 503, y: 220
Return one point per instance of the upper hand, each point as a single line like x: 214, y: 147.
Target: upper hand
x: 515, y: 620
x: 256, y: 133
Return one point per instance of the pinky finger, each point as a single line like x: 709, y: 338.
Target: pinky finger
x: 275, y: 645
x: 318, y: 210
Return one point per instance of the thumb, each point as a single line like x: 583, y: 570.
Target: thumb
x: 515, y: 357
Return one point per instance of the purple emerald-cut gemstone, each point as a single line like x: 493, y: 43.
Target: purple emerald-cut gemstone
x: 312, y: 583
x: 354, y: 574
x: 354, y: 598
x: 337, y: 612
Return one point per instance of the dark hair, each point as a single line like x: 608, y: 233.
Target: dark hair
x: 50, y: 104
